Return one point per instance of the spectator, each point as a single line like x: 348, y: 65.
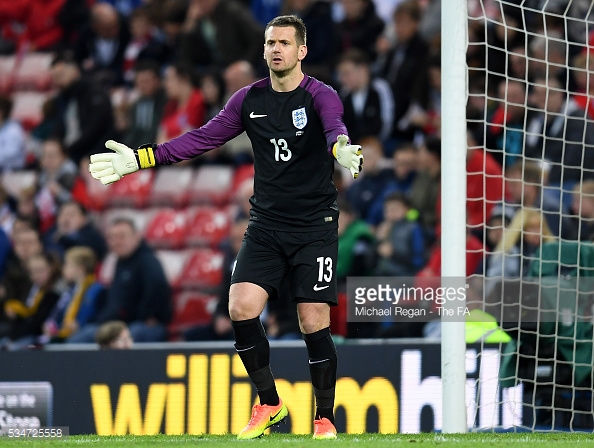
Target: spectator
x: 372, y: 181
x: 144, y: 43
x: 426, y: 187
x: 15, y: 283
x: 583, y: 65
x: 126, y: 7
x: 355, y: 245
x: 505, y: 125
x: 27, y: 317
x: 74, y: 228
x: 243, y: 194
x: 37, y: 22
x: 355, y: 258
x: 212, y: 86
x: 400, y: 239
x: 360, y: 28
x: 147, y: 110
x: 428, y: 117
x: 582, y: 208
x: 368, y: 103
x: 80, y: 301
x: 404, y: 66
x: 173, y: 14
x: 85, y: 116
x: 317, y: 16
x: 114, y: 335
x: 220, y: 328
x: 55, y: 181
x: 524, y: 182
x: 100, y: 48
x: 518, y: 246
x: 12, y: 138
x: 560, y: 135
x: 139, y: 293
x: 219, y: 32
x: 404, y: 165
x: 484, y: 184
x: 238, y: 75
x: 185, y: 109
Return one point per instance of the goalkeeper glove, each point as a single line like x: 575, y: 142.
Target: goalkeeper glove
x: 347, y: 155
x: 112, y: 166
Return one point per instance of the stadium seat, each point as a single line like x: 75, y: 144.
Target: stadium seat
x: 173, y: 262
x: 190, y: 308
x: 132, y: 190
x: 27, y: 108
x: 167, y: 229
x: 211, y: 185
x: 209, y: 227
x: 16, y: 181
x: 170, y: 187
x: 241, y: 174
x: 33, y: 72
x: 7, y: 68
x: 203, y: 270
x: 97, y: 193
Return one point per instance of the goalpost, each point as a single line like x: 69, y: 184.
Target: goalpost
x: 519, y: 74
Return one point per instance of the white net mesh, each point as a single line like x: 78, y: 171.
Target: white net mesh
x: 531, y: 208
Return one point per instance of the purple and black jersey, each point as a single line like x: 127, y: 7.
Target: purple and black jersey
x: 292, y: 135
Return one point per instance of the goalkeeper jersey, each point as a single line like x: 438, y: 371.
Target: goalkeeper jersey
x: 292, y: 135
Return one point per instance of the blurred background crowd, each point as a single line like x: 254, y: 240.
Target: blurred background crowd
x: 155, y: 250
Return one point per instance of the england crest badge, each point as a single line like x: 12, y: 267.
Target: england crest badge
x: 299, y: 118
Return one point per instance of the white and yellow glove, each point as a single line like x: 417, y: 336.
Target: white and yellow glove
x: 109, y: 167
x: 347, y: 155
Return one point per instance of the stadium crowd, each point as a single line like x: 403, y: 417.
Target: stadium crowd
x: 75, y: 255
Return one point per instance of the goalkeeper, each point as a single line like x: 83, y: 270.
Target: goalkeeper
x: 295, y: 125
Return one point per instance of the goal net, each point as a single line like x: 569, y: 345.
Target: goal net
x: 530, y: 115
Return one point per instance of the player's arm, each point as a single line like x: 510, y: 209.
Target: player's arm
x: 112, y: 166
x: 329, y: 108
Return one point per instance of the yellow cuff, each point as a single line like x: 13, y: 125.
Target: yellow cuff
x: 334, y: 149
x: 146, y: 157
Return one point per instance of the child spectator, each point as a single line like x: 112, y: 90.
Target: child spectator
x: 79, y: 303
x: 114, y: 335
x: 27, y: 318
x: 12, y: 138
x: 401, y: 243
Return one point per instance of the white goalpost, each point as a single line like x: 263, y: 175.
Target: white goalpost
x: 518, y: 114
x: 453, y: 351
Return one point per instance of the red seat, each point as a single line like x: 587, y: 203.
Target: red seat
x: 242, y: 173
x: 203, y: 270
x: 7, y: 68
x: 170, y: 187
x: 338, y: 316
x: 167, y: 229
x: 132, y: 190
x: 209, y: 227
x: 190, y: 308
x: 173, y: 262
x: 33, y: 72
x: 211, y: 185
x: 27, y: 108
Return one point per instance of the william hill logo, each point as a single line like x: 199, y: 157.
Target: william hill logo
x: 213, y: 394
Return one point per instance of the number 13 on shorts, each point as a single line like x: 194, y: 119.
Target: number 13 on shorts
x: 324, y: 272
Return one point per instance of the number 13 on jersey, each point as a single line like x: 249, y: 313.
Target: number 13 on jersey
x: 281, y: 145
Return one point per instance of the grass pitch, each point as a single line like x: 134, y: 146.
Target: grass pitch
x: 298, y: 441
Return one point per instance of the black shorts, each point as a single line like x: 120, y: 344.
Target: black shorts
x: 306, y: 260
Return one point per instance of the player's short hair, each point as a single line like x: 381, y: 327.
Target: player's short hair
x: 295, y: 22
x: 82, y: 256
x: 109, y: 332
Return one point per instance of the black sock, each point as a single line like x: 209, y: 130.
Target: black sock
x: 253, y: 349
x: 322, y: 368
